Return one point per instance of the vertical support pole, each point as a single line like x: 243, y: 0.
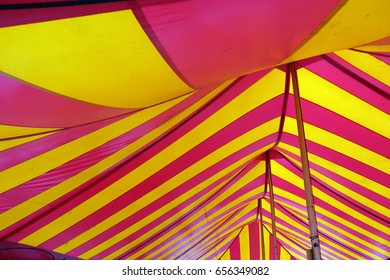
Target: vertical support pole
x: 315, y: 241
x: 261, y: 230
x: 272, y: 202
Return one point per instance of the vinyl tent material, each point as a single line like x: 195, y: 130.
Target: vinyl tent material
x: 146, y: 129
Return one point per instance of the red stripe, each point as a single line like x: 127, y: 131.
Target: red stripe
x: 298, y: 192
x: 228, y: 95
x: 226, y: 162
x: 361, y: 77
x: 271, y: 244
x: 303, y: 237
x: 355, y: 85
x: 194, y: 224
x: 161, y: 219
x: 21, y: 153
x: 237, y: 215
x: 323, y: 227
x: 40, y: 184
x: 235, y: 247
x: 339, y: 125
x: 383, y: 57
x: 342, y: 238
x: 351, y: 164
x: 217, y: 255
x: 219, y: 139
x: 152, y: 182
x: 295, y: 240
x: 254, y: 241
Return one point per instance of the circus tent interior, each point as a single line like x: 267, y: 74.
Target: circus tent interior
x: 195, y: 129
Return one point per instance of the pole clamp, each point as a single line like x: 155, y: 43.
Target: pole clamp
x: 314, y: 237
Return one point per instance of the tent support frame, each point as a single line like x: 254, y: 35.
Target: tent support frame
x: 261, y: 224
x: 314, y: 238
x: 272, y: 203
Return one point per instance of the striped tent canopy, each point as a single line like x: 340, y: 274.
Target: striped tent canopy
x: 156, y: 129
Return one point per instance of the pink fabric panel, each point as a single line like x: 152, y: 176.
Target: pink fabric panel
x: 214, y: 40
x: 22, y: 104
x: 25, y: 16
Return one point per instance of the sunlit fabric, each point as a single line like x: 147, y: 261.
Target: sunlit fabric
x: 147, y: 129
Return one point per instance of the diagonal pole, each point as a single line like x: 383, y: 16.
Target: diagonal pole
x: 261, y: 230
x: 272, y: 203
x: 315, y: 241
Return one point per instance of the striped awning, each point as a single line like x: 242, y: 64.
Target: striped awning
x: 151, y: 129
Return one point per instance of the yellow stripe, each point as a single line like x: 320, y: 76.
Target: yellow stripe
x: 256, y: 172
x: 39, y: 201
x: 282, y: 172
x: 340, y: 230
x: 322, y: 92
x: 250, y: 207
x: 226, y: 256
x: 43, y: 163
x: 220, y: 243
x: 178, y: 227
x: 353, y: 237
x: 281, y: 215
x: 290, y: 244
x: 368, y: 64
x: 185, y: 223
x: 375, y: 48
x: 288, y: 239
x: 245, y: 244
x: 289, y: 232
x: 225, y: 223
x: 326, y: 244
x: 233, y: 205
x: 179, y: 249
x: 267, y: 239
x: 348, y: 148
x: 167, y: 186
x: 104, y: 59
x: 203, y: 252
x: 357, y: 23
x: 322, y: 162
x: 259, y: 244
x: 284, y: 255
x: 210, y: 232
x: 5, y: 145
x: 7, y: 131
x: 354, y: 195
x: 230, y: 208
x: 213, y: 204
x: 296, y: 211
x: 199, y: 234
x: 245, y: 102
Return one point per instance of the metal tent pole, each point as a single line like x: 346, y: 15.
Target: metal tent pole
x: 261, y: 230
x: 315, y: 241
x: 272, y: 202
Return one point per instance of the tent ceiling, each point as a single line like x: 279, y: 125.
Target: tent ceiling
x: 141, y: 129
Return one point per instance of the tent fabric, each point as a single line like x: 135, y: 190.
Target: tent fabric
x: 146, y: 129
x: 248, y: 245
